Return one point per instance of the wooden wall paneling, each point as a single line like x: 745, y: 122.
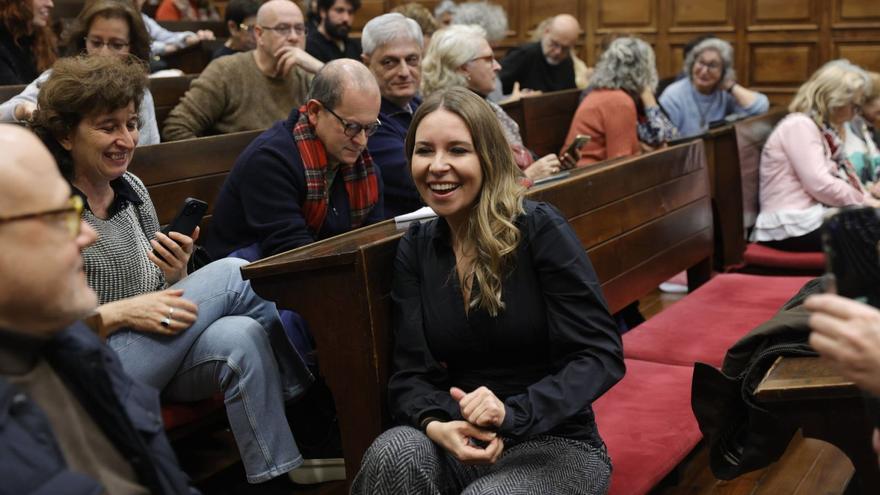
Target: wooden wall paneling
x: 855, y: 13
x: 702, y: 15
x: 368, y: 10
x: 634, y: 16
x: 866, y: 54
x: 774, y: 15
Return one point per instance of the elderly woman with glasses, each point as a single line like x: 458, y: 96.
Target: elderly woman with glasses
x: 188, y: 335
x: 710, y: 92
x: 460, y: 55
x: 103, y: 27
x: 804, y: 167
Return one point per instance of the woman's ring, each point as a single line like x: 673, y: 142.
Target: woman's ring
x: 165, y: 322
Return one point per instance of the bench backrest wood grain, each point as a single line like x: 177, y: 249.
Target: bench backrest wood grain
x: 8, y: 91
x: 167, y: 92
x: 751, y: 134
x: 544, y: 119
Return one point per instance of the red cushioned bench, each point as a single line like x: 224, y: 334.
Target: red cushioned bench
x: 759, y: 257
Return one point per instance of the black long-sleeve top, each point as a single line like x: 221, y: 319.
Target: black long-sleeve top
x: 548, y: 354
x: 17, y: 62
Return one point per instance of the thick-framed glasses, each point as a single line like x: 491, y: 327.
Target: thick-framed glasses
x: 487, y: 58
x: 286, y: 29
x: 352, y: 129
x: 712, y: 66
x: 248, y: 28
x: 71, y: 214
x: 113, y: 45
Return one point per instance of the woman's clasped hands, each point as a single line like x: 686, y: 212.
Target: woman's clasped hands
x: 472, y: 440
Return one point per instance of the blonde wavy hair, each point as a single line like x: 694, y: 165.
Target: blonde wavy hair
x: 490, y: 226
x: 836, y: 84
x: 450, y: 48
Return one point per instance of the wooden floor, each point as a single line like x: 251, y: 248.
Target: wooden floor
x: 808, y: 467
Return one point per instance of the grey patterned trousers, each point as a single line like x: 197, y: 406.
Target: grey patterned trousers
x: 405, y: 461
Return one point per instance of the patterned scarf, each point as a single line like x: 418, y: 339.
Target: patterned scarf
x: 845, y: 169
x: 360, y: 179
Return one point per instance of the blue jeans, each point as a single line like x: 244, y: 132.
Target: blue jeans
x: 236, y: 346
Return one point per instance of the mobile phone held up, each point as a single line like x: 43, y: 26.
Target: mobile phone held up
x: 187, y: 218
x: 579, y: 142
x: 850, y: 239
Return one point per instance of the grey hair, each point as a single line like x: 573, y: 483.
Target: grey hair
x: 331, y: 82
x: 444, y: 7
x: 627, y: 64
x: 450, y: 48
x: 388, y: 27
x: 489, y: 16
x: 724, y: 49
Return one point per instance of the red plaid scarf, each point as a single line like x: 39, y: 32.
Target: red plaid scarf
x: 360, y: 180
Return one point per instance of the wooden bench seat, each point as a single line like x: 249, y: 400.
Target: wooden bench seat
x: 544, y: 119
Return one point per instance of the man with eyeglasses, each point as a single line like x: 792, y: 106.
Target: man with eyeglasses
x: 71, y: 420
x: 241, y: 18
x: 330, y: 41
x: 308, y: 177
x: 393, y: 47
x: 545, y: 65
x: 249, y: 90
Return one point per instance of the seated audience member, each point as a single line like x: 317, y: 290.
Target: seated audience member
x: 460, y: 56
x: 444, y: 12
x: 859, y: 144
x: 682, y: 74
x: 393, y: 52
x: 422, y: 16
x: 308, y: 177
x: 493, y: 19
x: 711, y: 92
x: 493, y: 374
x: 546, y: 65
x: 848, y: 333
x: 102, y: 28
x: 73, y: 420
x: 187, y: 10
x: 27, y: 43
x: 241, y: 17
x: 249, y: 90
x: 165, y: 42
x: 330, y: 41
x: 619, y: 110
x: 189, y: 336
x: 804, y: 168
x: 581, y: 71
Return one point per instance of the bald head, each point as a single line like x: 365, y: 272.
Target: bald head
x: 44, y: 288
x: 559, y: 38
x: 272, y: 10
x: 340, y: 77
x: 25, y: 165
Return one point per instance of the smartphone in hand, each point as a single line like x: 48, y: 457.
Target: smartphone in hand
x: 187, y: 218
x: 573, y: 149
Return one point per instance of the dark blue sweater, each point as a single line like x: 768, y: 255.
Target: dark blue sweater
x: 260, y: 204
x: 386, y: 148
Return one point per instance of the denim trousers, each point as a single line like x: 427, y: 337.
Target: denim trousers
x: 236, y: 346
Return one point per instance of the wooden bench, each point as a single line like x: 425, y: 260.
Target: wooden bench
x: 8, y: 91
x: 808, y: 392
x: 188, y: 168
x: 167, y: 92
x: 641, y: 220
x: 544, y: 119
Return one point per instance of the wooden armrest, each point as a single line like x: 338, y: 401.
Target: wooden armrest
x: 803, y: 378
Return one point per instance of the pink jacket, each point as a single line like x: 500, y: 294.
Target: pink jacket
x: 797, y: 171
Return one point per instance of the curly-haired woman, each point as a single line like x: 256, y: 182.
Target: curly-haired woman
x: 620, y: 109
x: 27, y: 43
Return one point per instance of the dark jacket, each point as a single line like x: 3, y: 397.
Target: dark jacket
x: 742, y: 434
x: 260, y: 204
x: 528, y: 65
x: 386, y: 148
x: 327, y: 50
x: 127, y: 412
x: 17, y: 62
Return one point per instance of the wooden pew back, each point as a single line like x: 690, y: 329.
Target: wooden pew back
x: 167, y: 92
x: 641, y: 220
x: 8, y: 91
x: 544, y: 119
x: 751, y: 134
x: 189, y: 168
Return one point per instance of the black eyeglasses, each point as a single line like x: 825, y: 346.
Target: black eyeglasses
x: 113, y: 45
x: 72, y: 215
x: 285, y: 29
x: 352, y: 129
